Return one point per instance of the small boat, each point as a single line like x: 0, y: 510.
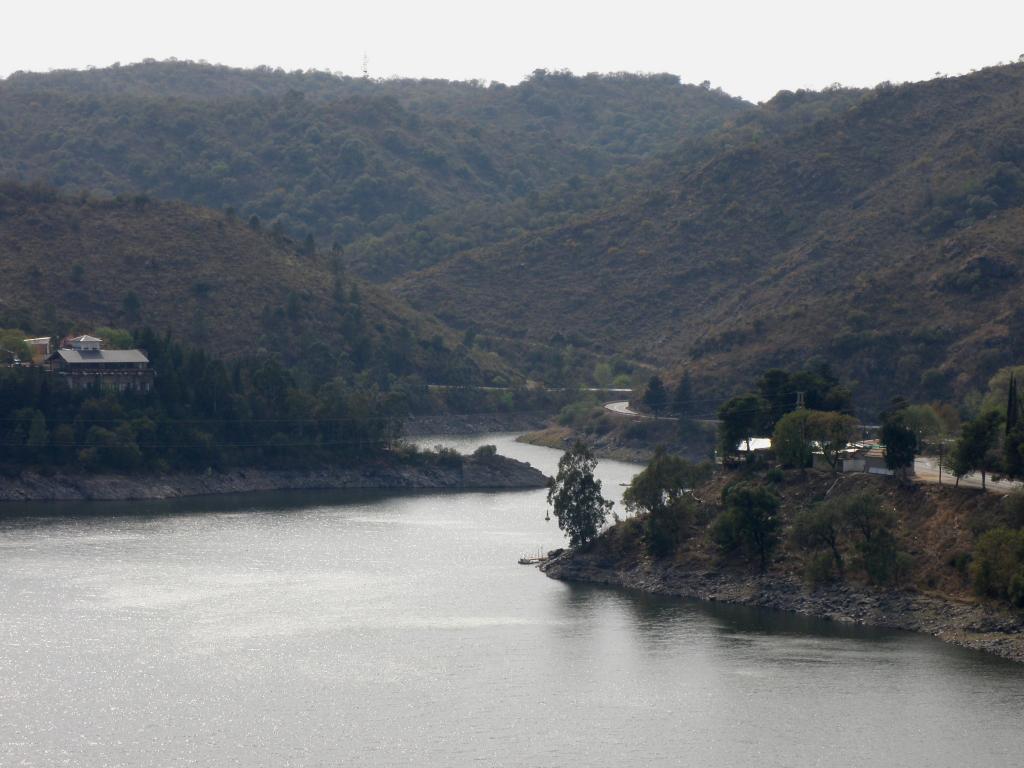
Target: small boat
x: 531, y: 560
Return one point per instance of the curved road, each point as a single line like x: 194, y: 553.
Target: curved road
x: 622, y: 408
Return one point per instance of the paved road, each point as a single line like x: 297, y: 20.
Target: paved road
x: 604, y: 390
x: 926, y: 470
x: 622, y: 408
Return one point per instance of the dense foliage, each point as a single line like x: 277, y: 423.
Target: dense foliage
x: 201, y: 413
x: 998, y: 565
x: 68, y: 263
x: 407, y: 172
x: 773, y: 405
x: 662, y: 493
x: 750, y: 523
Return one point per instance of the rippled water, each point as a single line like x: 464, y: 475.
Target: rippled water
x: 324, y: 629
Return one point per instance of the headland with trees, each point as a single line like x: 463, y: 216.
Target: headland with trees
x: 803, y: 526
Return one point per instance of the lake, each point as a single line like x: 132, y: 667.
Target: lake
x: 390, y: 629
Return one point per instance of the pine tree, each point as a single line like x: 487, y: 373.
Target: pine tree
x: 656, y: 397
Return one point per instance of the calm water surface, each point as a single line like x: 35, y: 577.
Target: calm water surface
x: 324, y: 629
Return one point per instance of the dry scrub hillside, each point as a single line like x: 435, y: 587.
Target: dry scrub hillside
x: 885, y: 236
x: 937, y: 526
x: 212, y: 280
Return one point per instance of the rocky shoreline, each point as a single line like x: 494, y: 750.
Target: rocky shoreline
x: 966, y: 624
x: 472, y: 472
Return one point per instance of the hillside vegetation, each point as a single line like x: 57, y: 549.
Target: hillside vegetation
x: 402, y: 173
x: 566, y: 221
x: 77, y: 263
x: 881, y: 231
x: 942, y: 560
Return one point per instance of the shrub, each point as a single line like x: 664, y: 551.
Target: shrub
x: 1013, y: 509
x: 820, y: 568
x: 1016, y: 590
x: 640, y: 430
x: 820, y: 528
x: 486, y: 452
x: 998, y: 562
x: 662, y: 492
x: 882, y: 560
x: 775, y: 475
x: 749, y: 522
x: 448, y: 457
x: 960, y: 563
x: 575, y: 414
x: 723, y: 533
x: 864, y: 514
x: 666, y: 527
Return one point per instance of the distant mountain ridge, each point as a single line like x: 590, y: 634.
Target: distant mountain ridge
x: 350, y: 160
x: 885, y: 237
x: 569, y: 218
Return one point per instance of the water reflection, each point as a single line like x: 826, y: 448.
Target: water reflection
x: 335, y: 628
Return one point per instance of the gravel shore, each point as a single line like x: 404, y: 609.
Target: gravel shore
x: 471, y: 473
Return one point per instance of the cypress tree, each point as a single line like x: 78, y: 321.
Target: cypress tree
x: 682, y: 400
x: 1012, y: 405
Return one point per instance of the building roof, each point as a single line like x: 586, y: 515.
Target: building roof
x: 107, y: 356
x: 38, y: 340
x: 86, y: 338
x: 756, y: 444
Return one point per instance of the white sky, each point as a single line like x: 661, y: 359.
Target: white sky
x: 750, y: 49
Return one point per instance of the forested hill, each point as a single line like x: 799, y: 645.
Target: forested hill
x: 401, y: 173
x: 886, y: 236
x: 75, y: 263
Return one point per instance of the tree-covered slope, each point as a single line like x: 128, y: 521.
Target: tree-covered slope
x: 75, y: 263
x: 882, y: 231
x: 402, y: 173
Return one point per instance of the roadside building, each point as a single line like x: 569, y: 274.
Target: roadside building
x: 752, y: 450
x: 40, y: 349
x: 862, y: 456
x: 82, y: 362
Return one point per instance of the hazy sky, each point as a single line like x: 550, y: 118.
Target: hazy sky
x: 751, y: 49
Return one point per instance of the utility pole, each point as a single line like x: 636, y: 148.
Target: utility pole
x: 366, y: 66
x: 800, y: 400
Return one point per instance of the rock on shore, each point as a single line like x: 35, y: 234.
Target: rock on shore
x: 494, y: 472
x: 970, y: 625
